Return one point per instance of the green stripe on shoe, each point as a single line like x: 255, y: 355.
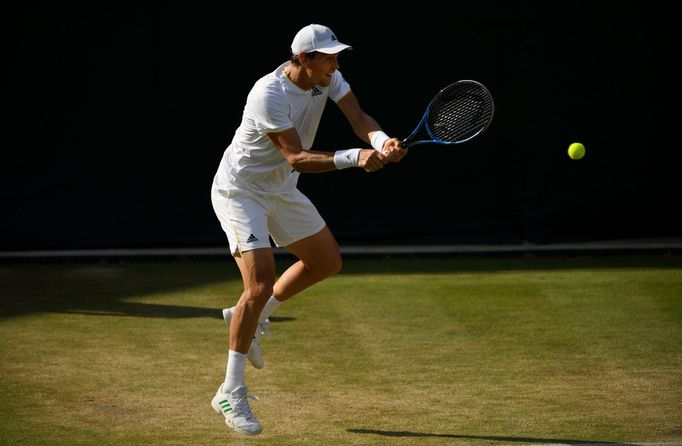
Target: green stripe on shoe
x: 225, y: 405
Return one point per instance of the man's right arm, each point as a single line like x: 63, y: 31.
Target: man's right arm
x: 314, y: 161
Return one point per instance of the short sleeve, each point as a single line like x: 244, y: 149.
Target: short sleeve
x: 338, y: 88
x: 269, y: 110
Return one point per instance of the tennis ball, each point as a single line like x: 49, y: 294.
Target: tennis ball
x: 576, y: 151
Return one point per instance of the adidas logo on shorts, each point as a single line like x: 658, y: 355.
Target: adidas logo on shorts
x: 252, y: 238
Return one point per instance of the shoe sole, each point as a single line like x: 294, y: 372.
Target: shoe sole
x: 253, y: 363
x: 241, y: 431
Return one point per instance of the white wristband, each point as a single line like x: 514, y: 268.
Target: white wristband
x: 378, y: 140
x: 346, y: 158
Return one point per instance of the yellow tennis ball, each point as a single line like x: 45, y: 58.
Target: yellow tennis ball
x: 576, y: 151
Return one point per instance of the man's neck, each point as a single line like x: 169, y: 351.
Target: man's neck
x: 298, y: 76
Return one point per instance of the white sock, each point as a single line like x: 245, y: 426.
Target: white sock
x: 269, y: 307
x: 234, y: 376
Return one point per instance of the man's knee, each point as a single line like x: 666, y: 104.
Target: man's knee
x: 329, y: 267
x: 258, y: 294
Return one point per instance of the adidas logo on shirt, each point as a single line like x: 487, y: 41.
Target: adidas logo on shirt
x: 316, y: 92
x: 252, y: 238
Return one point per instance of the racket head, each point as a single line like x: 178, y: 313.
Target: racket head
x: 458, y: 113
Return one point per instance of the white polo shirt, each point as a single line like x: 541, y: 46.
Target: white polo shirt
x: 274, y: 104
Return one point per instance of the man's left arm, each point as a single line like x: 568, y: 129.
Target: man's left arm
x: 368, y: 129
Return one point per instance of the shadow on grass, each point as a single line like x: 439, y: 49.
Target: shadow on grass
x: 485, y: 437
x: 105, y: 290
x: 161, y: 311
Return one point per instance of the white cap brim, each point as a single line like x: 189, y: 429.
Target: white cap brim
x: 334, y: 49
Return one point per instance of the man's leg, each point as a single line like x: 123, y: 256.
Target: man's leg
x: 319, y: 258
x: 258, y: 275
x: 254, y: 353
x: 257, y: 268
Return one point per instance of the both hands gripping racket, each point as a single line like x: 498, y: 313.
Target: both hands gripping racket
x: 458, y: 113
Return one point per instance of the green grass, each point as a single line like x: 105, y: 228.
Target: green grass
x: 389, y: 352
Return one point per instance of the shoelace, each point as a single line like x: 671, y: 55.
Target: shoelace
x: 241, y: 405
x: 263, y: 330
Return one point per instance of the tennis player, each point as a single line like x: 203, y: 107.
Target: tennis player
x: 255, y: 197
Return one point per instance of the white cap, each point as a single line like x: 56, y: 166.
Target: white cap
x: 316, y: 38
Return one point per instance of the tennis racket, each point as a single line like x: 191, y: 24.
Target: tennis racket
x: 458, y: 113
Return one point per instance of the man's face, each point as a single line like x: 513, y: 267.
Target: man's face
x: 321, y: 68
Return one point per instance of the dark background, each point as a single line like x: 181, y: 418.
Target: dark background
x: 117, y: 116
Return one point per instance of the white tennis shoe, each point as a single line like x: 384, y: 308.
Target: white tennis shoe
x: 262, y: 330
x: 235, y: 407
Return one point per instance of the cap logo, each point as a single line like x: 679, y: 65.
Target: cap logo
x: 334, y: 38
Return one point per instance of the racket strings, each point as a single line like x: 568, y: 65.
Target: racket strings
x: 459, y: 113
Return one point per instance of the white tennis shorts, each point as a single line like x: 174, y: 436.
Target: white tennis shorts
x: 249, y: 220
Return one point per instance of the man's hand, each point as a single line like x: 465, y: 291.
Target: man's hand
x: 393, y: 151
x: 371, y: 160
